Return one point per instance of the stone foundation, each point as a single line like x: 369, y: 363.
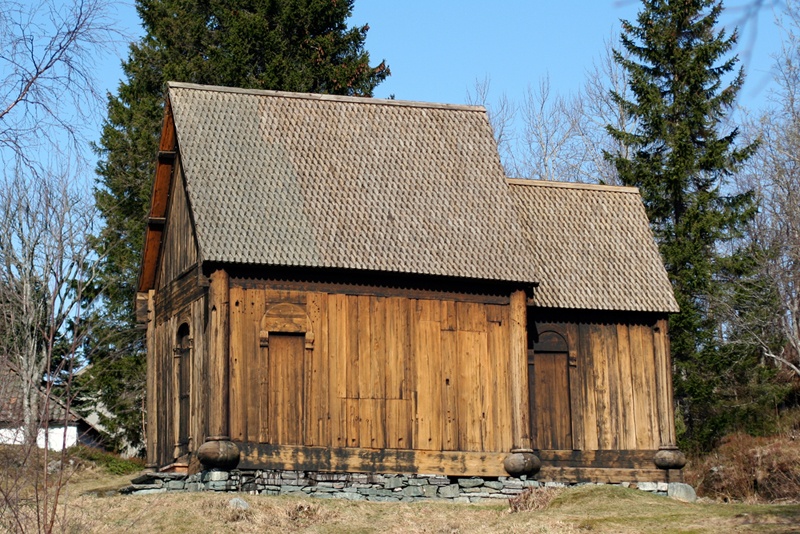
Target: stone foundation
x: 352, y: 486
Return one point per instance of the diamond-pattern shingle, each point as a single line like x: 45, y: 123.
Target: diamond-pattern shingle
x: 592, y: 247
x: 320, y: 181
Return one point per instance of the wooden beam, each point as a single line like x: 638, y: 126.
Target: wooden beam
x: 353, y: 459
x: 600, y: 475
x: 159, y: 200
x: 218, y: 364
x: 518, y: 370
x: 365, y: 289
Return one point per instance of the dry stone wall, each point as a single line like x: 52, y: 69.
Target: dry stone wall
x: 352, y: 486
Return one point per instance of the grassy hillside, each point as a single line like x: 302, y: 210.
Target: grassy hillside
x: 594, y: 508
x: 90, y: 503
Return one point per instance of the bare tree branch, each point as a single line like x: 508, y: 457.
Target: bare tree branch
x: 47, y: 89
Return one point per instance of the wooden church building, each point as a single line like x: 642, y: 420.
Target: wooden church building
x: 352, y: 285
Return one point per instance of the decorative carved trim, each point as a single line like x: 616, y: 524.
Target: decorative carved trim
x: 286, y: 318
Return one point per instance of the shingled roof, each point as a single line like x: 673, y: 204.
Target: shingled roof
x: 307, y: 180
x: 592, y: 247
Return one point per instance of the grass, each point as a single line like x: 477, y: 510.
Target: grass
x: 90, y: 503
x: 586, y: 508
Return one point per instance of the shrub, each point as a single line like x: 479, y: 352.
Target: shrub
x: 109, y: 462
x: 533, y: 499
x: 746, y: 468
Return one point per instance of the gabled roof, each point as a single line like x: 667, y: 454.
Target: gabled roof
x: 592, y: 247
x: 308, y: 180
x: 288, y: 179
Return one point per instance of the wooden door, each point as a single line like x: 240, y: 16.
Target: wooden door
x: 548, y: 382
x: 285, y: 388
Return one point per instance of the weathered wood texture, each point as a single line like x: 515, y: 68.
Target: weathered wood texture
x: 561, y: 466
x: 375, y: 372
x: 163, y: 396
x: 179, y: 247
x: 218, y: 336
x: 162, y: 185
x: 607, y: 390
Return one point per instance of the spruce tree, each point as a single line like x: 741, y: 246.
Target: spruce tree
x: 291, y: 45
x: 684, y: 84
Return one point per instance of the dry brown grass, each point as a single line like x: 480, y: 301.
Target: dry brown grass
x: 595, y: 508
x: 748, y: 469
x: 533, y: 499
x: 91, y: 504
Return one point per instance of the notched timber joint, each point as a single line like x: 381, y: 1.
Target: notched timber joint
x: 166, y: 156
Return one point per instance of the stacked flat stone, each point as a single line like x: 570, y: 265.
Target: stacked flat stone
x: 353, y: 486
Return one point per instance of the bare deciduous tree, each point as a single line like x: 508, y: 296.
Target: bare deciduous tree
x: 47, y: 288
x: 556, y: 137
x: 774, y: 175
x: 48, y: 95
x: 501, y: 117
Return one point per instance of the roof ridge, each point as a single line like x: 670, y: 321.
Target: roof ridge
x: 572, y: 185
x: 323, y: 97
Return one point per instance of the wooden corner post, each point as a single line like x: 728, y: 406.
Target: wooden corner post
x: 218, y: 364
x: 518, y: 371
x: 151, y: 430
x: 218, y: 451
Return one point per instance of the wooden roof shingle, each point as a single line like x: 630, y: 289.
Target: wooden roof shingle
x: 592, y: 247
x: 288, y: 179
x: 322, y: 181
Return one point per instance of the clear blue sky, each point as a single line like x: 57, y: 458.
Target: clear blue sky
x: 438, y: 48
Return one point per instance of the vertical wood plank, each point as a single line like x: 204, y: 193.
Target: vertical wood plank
x: 649, y: 367
x: 240, y: 354
x: 576, y: 391
x: 641, y: 386
x: 498, y: 342
x: 199, y: 384
x: 600, y: 359
x: 353, y: 371
x: 337, y: 350
x: 469, y: 423
x: 614, y: 386
x: 378, y: 359
x: 450, y: 364
x: 151, y: 438
x: 256, y: 368
x: 627, y: 410
x: 586, y: 370
x: 664, y: 363
x: 427, y: 357
x: 318, y: 430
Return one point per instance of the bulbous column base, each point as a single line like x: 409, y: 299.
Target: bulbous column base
x: 669, y: 458
x: 218, y: 453
x: 522, y: 462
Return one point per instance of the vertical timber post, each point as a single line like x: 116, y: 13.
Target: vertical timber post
x: 521, y: 460
x: 668, y: 456
x: 520, y: 419
x: 219, y: 451
x: 151, y: 429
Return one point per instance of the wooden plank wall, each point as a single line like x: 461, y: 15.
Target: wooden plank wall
x: 384, y: 372
x: 619, y: 401
x: 162, y: 389
x: 179, y: 249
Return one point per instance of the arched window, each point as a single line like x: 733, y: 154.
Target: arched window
x: 183, y: 378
